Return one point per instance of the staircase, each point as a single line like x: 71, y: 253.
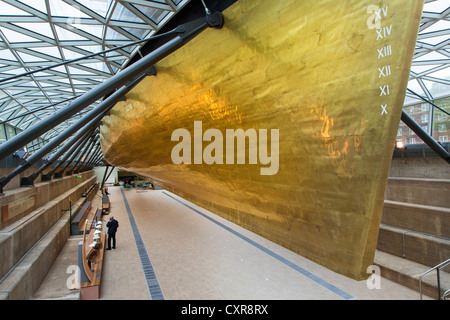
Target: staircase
x: 31, y: 240
x: 414, y: 233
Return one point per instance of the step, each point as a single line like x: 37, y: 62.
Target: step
x: 431, y: 192
x: 63, y: 270
x: 419, y: 247
x: 26, y: 276
x: 420, y: 167
x: 407, y: 273
x: 417, y: 217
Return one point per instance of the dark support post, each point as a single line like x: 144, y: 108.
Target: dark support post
x: 73, y: 142
x: 185, y: 33
x: 89, y: 164
x: 98, y: 162
x: 29, y: 181
x: 438, y: 283
x: 98, y: 158
x: 83, y: 154
x: 88, y: 155
x: 60, y: 173
x: 74, y: 148
x: 414, y: 126
x: 104, y: 177
x: 89, y: 158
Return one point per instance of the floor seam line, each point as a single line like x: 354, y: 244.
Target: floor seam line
x: 149, y: 273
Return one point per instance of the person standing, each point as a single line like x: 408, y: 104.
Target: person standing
x: 112, y: 226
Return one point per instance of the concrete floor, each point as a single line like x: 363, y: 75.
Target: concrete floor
x: 194, y: 254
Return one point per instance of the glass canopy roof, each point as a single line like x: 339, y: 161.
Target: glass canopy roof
x: 430, y: 71
x: 40, y: 33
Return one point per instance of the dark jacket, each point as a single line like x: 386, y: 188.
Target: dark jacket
x: 112, y: 226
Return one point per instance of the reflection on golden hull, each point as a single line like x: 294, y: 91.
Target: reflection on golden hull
x: 329, y: 76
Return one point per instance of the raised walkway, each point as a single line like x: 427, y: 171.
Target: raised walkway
x: 171, y: 249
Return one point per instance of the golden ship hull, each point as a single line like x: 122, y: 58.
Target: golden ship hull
x: 328, y: 76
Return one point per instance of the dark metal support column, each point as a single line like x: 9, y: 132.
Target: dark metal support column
x: 106, y: 177
x: 98, y: 161
x: 76, y: 144
x: 89, y: 158
x: 71, y: 159
x: 88, y: 155
x: 100, y: 109
x: 29, y: 181
x: 89, y: 164
x: 87, y: 147
x: 94, y: 159
x: 414, y: 126
x: 95, y: 149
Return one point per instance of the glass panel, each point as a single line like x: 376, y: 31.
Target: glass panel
x: 100, y: 7
x: 122, y: 13
x: 29, y: 58
x: 437, y: 6
x: 156, y: 15
x: 441, y: 121
x: 11, y: 10
x: 114, y: 35
x: 41, y: 28
x: 64, y: 34
x: 159, y: 16
x: 14, y: 36
x: 6, y: 54
x: 36, y: 4
x: 431, y: 119
x: 91, y: 49
x: 10, y: 132
x: 51, y: 51
x: 62, y: 9
x: 139, y: 33
x: 2, y: 133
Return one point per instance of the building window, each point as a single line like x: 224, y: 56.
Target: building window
x: 424, y: 117
x: 2, y: 133
x: 10, y: 132
x: 443, y: 139
x: 399, y: 132
x: 441, y: 116
x: 442, y: 127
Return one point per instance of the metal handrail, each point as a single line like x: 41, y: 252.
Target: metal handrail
x: 446, y: 293
x: 437, y: 268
